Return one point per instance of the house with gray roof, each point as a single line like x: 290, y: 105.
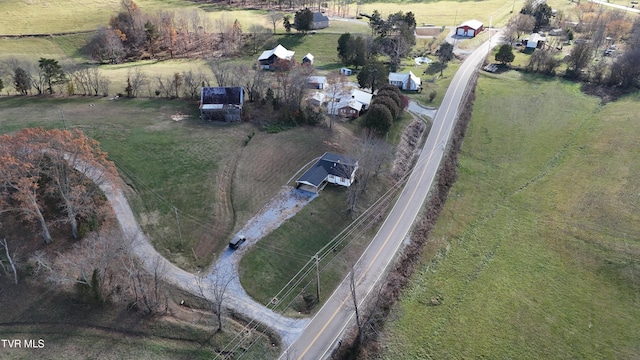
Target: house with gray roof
x: 320, y: 21
x: 329, y: 169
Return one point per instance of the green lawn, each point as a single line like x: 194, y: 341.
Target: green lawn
x: 540, y: 233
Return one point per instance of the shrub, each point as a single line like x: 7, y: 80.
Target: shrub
x: 389, y: 103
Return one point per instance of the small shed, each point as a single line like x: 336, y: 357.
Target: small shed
x: 316, y: 99
x: 307, y: 59
x: 469, y: 28
x: 534, y: 41
x: 329, y: 169
x: 317, y: 82
x: 345, y: 71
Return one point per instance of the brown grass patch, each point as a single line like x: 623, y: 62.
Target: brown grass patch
x: 428, y: 31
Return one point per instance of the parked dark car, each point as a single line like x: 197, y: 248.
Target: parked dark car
x: 237, y: 241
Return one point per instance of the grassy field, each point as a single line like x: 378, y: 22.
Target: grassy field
x: 540, y: 233
x: 47, y: 17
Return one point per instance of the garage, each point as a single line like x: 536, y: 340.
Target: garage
x: 469, y: 28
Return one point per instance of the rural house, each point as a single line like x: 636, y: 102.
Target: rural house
x: 405, y: 81
x: 307, y: 59
x: 534, y: 41
x: 346, y: 108
x: 320, y: 21
x: 221, y: 103
x: 362, y: 97
x: 269, y: 57
x: 317, y: 82
x: 345, y: 71
x: 330, y: 169
x: 469, y: 28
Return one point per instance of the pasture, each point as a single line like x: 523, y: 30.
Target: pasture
x: 539, y: 238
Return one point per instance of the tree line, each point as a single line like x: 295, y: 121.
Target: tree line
x: 133, y: 35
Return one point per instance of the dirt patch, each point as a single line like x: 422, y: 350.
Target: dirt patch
x: 179, y: 117
x: 605, y: 93
x: 151, y: 218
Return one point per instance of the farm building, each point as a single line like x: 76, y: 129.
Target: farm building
x: 362, y: 97
x: 221, y: 103
x: 317, y: 82
x: 346, y: 108
x: 534, y: 41
x: 269, y: 57
x: 345, y: 71
x: 330, y: 169
x: 405, y: 81
x: 469, y: 28
x: 307, y: 59
x: 320, y: 21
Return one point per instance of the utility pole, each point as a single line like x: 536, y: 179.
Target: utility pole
x: 175, y: 209
x: 317, y: 276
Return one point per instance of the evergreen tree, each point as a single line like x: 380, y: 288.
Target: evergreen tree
x: 303, y: 20
x: 378, y: 119
x: 286, y: 23
x: 51, y: 73
x: 21, y: 81
x: 345, y: 49
x: 373, y: 75
x: 505, y: 54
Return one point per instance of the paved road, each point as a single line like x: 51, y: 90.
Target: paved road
x: 236, y: 299
x: 416, y: 108
x: 327, y: 326
x: 621, y: 7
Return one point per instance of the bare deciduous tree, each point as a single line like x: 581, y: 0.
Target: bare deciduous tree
x: 145, y: 284
x: 336, y: 90
x: 274, y: 17
x: 76, y: 167
x: 213, y: 288
x: 259, y: 36
x: 99, y: 84
x: 136, y: 80
x: 10, y: 260
x: 192, y: 83
x: 20, y: 174
x: 222, y: 72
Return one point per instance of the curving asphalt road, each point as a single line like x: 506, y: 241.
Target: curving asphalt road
x: 327, y: 326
